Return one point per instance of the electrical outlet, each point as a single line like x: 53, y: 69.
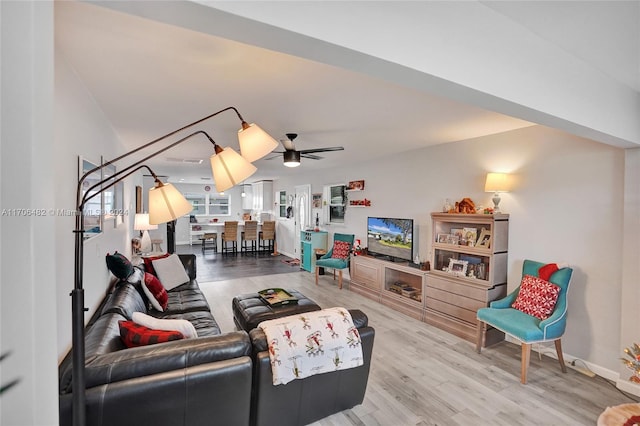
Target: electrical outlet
x: 572, y: 365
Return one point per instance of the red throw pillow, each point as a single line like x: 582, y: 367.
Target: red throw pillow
x: 133, y: 335
x: 340, y: 250
x: 547, y: 270
x: 155, y: 292
x: 148, y: 266
x: 537, y: 297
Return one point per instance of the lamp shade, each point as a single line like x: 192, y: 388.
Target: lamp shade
x: 292, y: 158
x: 141, y: 222
x: 255, y: 143
x: 166, y: 203
x: 229, y: 168
x: 497, y: 182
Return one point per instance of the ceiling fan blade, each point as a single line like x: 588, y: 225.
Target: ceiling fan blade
x: 277, y: 155
x: 311, y: 156
x: 331, y: 148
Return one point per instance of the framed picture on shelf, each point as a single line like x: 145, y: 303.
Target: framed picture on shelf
x: 453, y: 239
x: 443, y: 238
x: 470, y: 235
x: 457, y: 267
x: 484, y: 240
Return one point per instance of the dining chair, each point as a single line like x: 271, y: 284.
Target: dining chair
x: 267, y: 236
x: 212, y: 239
x: 249, y: 235
x: 338, y: 257
x: 230, y: 235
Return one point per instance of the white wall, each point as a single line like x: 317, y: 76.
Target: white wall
x: 27, y: 245
x: 82, y: 129
x: 566, y: 207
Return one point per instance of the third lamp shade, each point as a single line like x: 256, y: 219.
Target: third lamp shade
x: 166, y: 203
x: 230, y: 168
x: 255, y: 143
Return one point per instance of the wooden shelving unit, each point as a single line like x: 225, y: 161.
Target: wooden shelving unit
x: 445, y: 298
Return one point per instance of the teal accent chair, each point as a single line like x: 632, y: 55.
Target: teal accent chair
x: 327, y: 261
x: 526, y: 328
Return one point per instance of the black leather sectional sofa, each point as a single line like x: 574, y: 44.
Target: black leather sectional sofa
x: 214, y: 379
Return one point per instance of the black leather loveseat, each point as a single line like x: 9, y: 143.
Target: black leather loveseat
x: 301, y: 402
x: 200, y: 381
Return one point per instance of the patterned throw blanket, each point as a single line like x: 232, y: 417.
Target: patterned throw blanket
x: 312, y: 343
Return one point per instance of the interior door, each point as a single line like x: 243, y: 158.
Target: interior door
x: 301, y: 214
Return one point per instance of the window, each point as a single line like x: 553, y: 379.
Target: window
x: 219, y: 205
x: 281, y: 196
x: 198, y: 203
x: 209, y: 204
x: 337, y: 202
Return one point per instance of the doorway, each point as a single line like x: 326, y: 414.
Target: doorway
x: 302, y: 214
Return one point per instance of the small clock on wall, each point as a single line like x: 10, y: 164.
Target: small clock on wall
x: 207, y: 188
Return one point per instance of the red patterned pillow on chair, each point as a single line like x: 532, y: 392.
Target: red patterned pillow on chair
x: 340, y: 250
x: 537, y: 297
x: 133, y: 335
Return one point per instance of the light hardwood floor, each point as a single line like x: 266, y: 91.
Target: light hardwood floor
x: 421, y: 375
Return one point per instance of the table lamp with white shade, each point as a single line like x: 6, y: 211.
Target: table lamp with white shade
x: 496, y: 183
x: 141, y: 223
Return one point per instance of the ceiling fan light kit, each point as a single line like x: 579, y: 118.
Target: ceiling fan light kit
x: 291, y: 158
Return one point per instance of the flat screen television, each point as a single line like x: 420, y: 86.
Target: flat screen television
x: 390, y: 238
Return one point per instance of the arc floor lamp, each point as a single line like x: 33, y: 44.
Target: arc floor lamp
x: 165, y: 204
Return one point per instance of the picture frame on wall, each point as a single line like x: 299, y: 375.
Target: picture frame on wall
x: 92, y: 211
x: 138, y: 199
x: 317, y: 200
x: 355, y: 185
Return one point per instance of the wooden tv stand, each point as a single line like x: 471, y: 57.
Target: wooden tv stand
x: 444, y: 302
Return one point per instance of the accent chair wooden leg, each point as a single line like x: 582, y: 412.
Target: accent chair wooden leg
x: 479, y: 336
x: 317, y: 270
x: 340, y: 279
x: 563, y: 367
x: 526, y: 354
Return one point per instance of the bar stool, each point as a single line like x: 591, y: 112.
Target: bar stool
x: 230, y: 235
x: 212, y: 238
x: 250, y: 234
x: 267, y: 235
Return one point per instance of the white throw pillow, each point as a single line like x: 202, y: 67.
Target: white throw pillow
x: 183, y: 326
x: 170, y: 271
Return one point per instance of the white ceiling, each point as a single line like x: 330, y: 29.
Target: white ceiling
x: 150, y: 78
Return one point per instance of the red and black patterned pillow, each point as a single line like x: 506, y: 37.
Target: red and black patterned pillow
x: 155, y: 292
x: 134, y: 335
x: 537, y: 297
x: 340, y: 250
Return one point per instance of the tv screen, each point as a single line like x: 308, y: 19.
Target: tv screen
x: 390, y: 237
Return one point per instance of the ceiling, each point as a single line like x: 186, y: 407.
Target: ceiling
x: 151, y: 78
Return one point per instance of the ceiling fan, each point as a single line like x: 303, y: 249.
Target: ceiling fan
x: 292, y: 156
